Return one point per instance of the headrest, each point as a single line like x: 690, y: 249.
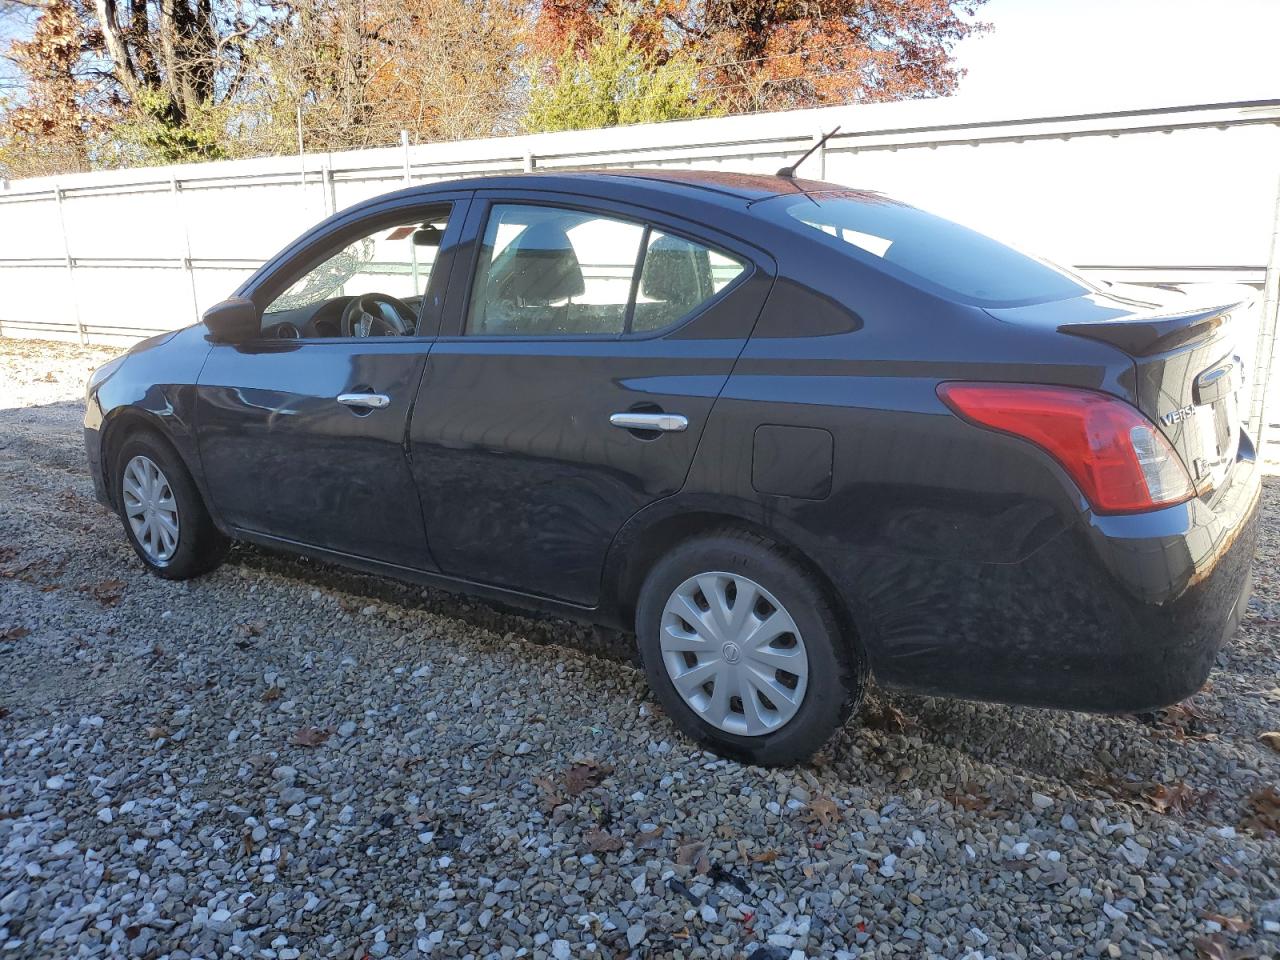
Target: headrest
x: 676, y: 271
x: 543, y: 267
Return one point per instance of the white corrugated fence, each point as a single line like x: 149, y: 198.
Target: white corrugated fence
x: 1186, y: 195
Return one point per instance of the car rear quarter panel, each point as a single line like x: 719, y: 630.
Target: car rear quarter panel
x: 927, y: 516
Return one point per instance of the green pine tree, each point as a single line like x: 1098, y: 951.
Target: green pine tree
x: 614, y: 82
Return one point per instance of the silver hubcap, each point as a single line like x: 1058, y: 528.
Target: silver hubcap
x: 734, y: 653
x: 151, y: 509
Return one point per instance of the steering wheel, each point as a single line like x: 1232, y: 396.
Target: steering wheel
x: 362, y: 318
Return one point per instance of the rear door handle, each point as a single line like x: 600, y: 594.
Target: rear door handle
x: 663, y: 422
x: 373, y: 401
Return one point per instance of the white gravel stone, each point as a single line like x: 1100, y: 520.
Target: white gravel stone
x: 435, y: 818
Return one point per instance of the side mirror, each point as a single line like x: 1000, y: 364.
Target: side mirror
x: 233, y: 321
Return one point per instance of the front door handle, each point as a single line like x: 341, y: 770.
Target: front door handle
x: 372, y: 401
x: 663, y: 422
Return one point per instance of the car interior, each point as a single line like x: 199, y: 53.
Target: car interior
x: 543, y: 271
x: 566, y: 273
x: 372, y: 287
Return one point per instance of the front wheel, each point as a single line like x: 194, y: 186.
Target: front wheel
x: 164, y: 518
x: 744, y: 650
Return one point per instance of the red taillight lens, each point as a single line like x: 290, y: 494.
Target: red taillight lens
x: 1117, y: 457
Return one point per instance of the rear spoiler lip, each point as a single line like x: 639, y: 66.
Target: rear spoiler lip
x: 1142, y: 336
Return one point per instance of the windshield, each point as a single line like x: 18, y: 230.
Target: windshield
x: 963, y: 263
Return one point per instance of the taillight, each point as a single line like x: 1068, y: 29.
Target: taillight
x: 1117, y: 457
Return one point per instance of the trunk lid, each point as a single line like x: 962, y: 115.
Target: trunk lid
x: 1190, y: 378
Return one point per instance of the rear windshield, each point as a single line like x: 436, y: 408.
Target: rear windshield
x: 962, y: 263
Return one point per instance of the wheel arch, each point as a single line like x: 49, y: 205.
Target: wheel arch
x: 645, y: 539
x: 124, y: 422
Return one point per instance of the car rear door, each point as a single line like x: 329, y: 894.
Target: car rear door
x: 543, y: 425
x: 303, y: 440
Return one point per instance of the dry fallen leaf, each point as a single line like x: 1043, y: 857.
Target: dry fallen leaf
x: 1271, y: 738
x: 649, y: 838
x: 767, y: 856
x: 971, y: 798
x: 14, y: 633
x: 312, y: 736
x: 253, y: 629
x: 270, y: 694
x: 884, y: 716
x: 1183, y: 721
x: 584, y: 774
x: 1230, y: 924
x: 106, y: 592
x: 694, y: 855
x: 1264, y: 811
x: 551, y: 797
x: 1214, y: 947
x: 601, y: 842
x: 157, y: 732
x: 824, y: 810
x: 1175, y: 799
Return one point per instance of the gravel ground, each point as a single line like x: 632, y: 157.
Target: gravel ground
x: 284, y: 760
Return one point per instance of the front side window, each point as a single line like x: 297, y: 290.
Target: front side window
x: 372, y: 286
x: 963, y: 263
x: 547, y: 272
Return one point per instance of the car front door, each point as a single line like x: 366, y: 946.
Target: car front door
x: 581, y: 353
x: 302, y: 431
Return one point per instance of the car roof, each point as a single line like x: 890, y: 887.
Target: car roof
x: 707, y: 184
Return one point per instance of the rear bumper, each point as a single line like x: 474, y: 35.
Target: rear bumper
x: 1114, y: 614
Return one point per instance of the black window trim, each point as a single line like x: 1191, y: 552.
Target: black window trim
x: 481, y: 210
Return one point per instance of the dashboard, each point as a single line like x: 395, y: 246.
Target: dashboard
x: 314, y: 321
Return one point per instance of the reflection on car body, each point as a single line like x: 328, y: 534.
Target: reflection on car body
x: 788, y: 433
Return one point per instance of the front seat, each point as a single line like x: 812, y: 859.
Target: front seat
x: 539, y: 278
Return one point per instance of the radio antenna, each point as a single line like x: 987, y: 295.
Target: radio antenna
x: 790, y: 172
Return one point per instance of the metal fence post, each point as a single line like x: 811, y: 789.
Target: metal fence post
x: 71, y: 265
x: 330, y: 192
x: 404, y: 145
x: 1264, y: 353
x: 180, y: 215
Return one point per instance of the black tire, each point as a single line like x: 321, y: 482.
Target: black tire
x: 201, y: 546
x: 837, y: 668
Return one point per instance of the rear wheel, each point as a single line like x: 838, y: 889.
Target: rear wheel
x: 745, y: 651
x: 164, y: 518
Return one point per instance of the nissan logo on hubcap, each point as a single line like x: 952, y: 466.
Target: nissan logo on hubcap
x: 730, y: 652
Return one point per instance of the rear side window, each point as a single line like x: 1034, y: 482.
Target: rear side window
x: 551, y: 272
x: 962, y: 263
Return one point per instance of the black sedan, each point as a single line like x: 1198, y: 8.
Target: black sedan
x: 788, y: 433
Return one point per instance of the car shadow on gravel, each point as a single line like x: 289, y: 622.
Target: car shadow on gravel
x: 489, y: 615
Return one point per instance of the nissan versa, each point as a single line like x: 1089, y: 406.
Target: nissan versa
x: 789, y: 433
